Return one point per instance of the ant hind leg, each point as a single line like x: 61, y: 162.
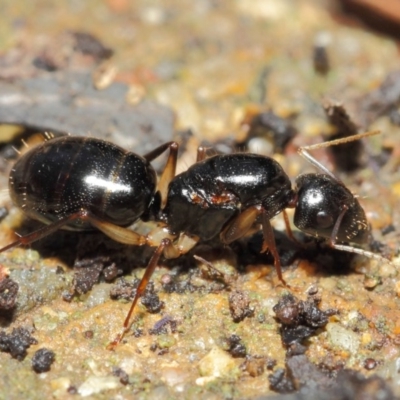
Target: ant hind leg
x: 44, y: 231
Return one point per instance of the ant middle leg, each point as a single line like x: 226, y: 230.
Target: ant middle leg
x: 139, y: 291
x: 168, y: 249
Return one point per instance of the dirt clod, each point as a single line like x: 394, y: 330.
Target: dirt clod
x: 161, y: 326
x: 239, y: 306
x: 279, y: 382
x: 255, y: 365
x: 122, y: 375
x: 127, y: 291
x: 124, y: 290
x: 151, y: 300
x: 8, y: 294
x: 87, y: 273
x: 17, y: 342
x: 236, y: 347
x: 299, y: 319
x: 42, y: 360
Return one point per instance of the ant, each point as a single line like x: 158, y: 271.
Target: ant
x: 82, y: 183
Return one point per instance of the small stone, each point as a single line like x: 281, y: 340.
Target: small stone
x: 343, y: 338
x: 97, y: 384
x: 370, y: 282
x: 216, y: 363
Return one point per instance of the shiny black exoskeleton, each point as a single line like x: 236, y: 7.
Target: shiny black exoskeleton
x: 321, y: 201
x: 226, y: 195
x: 203, y: 199
x: 85, y: 183
x: 63, y: 176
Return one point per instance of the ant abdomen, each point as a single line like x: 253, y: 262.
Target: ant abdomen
x: 327, y: 209
x: 63, y: 176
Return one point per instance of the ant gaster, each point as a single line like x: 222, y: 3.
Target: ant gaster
x: 84, y: 183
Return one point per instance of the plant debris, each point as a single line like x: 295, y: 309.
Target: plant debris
x: 340, y: 119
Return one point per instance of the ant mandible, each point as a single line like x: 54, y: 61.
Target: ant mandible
x: 81, y: 183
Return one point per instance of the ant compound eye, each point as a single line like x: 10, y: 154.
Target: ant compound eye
x: 324, y: 220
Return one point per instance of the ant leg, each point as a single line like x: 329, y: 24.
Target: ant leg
x: 183, y: 245
x: 176, y: 248
x: 335, y: 230
x: 169, y: 170
x: 209, y: 265
x: 303, y: 151
x: 270, y: 244
x: 140, y: 290
x: 351, y: 249
x: 117, y: 233
x: 240, y: 225
x: 158, y: 151
x: 289, y: 230
x: 243, y: 223
x: 201, y: 153
x: 45, y: 231
x: 165, y: 246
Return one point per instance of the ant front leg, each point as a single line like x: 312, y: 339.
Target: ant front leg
x: 169, y: 170
x: 350, y: 249
x: 242, y: 224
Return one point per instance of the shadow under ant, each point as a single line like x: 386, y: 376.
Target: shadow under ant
x: 7, y: 317
x: 86, y: 249
x: 329, y: 261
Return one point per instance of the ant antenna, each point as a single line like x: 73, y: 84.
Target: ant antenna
x: 303, y: 151
x: 362, y: 252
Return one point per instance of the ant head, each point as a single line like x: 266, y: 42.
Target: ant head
x: 324, y: 202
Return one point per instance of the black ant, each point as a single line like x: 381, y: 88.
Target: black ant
x: 84, y: 183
